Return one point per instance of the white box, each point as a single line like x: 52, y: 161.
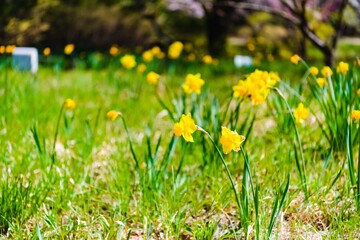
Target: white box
x: 25, y: 59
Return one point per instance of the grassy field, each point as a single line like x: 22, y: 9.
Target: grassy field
x: 69, y: 172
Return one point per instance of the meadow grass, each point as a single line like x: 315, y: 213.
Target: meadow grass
x: 134, y: 179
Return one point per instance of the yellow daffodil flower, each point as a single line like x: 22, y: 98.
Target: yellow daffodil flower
x: 207, y: 59
x: 295, y: 59
x: 301, y: 113
x: 114, y: 50
x: 148, y: 56
x: 152, y: 78
x: 69, y: 104
x: 193, y: 83
x: 141, y: 68
x: 69, y: 48
x: 321, y: 81
x: 314, y: 71
x: 358, y: 92
x: 128, y: 61
x: 112, y: 115
x: 343, y: 67
x: 230, y: 140
x: 46, y: 51
x: 175, y: 50
x: 355, y: 114
x: 185, y: 127
x: 326, y: 71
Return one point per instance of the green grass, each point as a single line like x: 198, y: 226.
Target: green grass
x: 93, y: 188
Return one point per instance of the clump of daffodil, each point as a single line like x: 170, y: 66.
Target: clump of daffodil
x: 148, y: 56
x: 185, y: 127
x: 256, y: 86
x: 207, y: 59
x: 321, y: 81
x: 343, y: 67
x: 301, y: 113
x: 69, y: 104
x: 295, y: 59
x: 128, y: 61
x: 230, y: 140
x: 314, y: 71
x: 355, y: 114
x: 69, y: 48
x: 193, y: 83
x: 46, y: 51
x: 152, y: 78
x: 112, y: 114
x: 10, y: 48
x: 175, y: 50
x: 114, y: 50
x: 141, y: 68
x: 326, y: 71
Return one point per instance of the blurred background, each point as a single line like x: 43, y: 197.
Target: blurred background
x: 264, y: 29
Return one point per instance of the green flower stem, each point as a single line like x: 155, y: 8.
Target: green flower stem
x: 304, y: 181
x: 57, y: 132
x: 225, y: 165
x: 130, y: 142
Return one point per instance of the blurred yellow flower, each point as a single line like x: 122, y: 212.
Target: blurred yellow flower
x: 152, y: 78
x: 147, y: 56
x: 112, y: 115
x: 251, y: 46
x: 207, y: 59
x: 295, y: 59
x: 301, y: 113
x: 355, y: 114
x: 230, y: 140
x: 256, y: 86
x: 114, y: 50
x: 46, y: 51
x: 191, y: 57
x: 175, y: 50
x: 141, y: 68
x: 193, y: 83
x: 69, y: 48
x: 186, y: 127
x: 314, y: 71
x: 9, y: 48
x: 2, y: 49
x: 155, y: 50
x: 321, y: 81
x: 326, y: 71
x: 343, y: 67
x: 128, y: 61
x: 358, y: 92
x: 69, y: 104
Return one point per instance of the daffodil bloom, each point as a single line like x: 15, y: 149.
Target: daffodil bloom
x: 152, y: 78
x: 69, y: 48
x: 193, y: 83
x: 326, y: 71
x: 46, y: 51
x: 69, y: 104
x: 343, y: 67
x: 295, y: 59
x: 9, y: 48
x: 175, y: 50
x: 191, y: 57
x: 141, y: 68
x: 128, y: 61
x: 114, y: 50
x: 207, y: 59
x: 301, y: 113
x: 185, y: 127
x: 2, y: 49
x: 358, y: 92
x: 155, y: 50
x: 112, y: 115
x: 148, y: 56
x: 314, y: 71
x: 321, y: 81
x: 230, y: 140
x: 251, y: 47
x: 355, y: 114
x: 256, y: 86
